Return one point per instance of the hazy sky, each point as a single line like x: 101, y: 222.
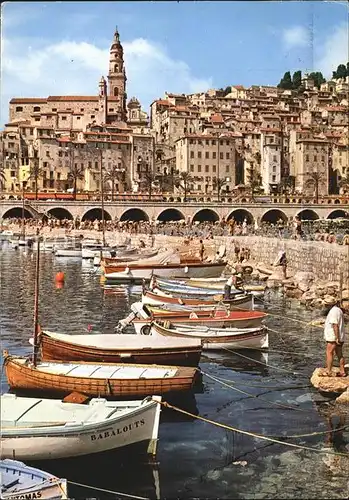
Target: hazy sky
x: 62, y: 47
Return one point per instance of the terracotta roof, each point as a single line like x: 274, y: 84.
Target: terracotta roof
x: 64, y: 139
x: 26, y: 100
x: 264, y: 129
x: 217, y: 118
x: 239, y: 87
x: 337, y: 108
x: 164, y: 102
x: 203, y: 136
x: 108, y: 142
x: 313, y: 140
x: 72, y: 98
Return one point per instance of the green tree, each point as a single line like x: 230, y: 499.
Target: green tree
x: 341, y: 71
x: 286, y: 81
x: 2, y: 177
x: 297, y: 79
x: 75, y: 173
x: 227, y: 90
x: 184, y: 179
x: 318, y: 78
x: 218, y: 185
x: 35, y: 173
x: 286, y: 184
x: 114, y: 174
x: 344, y: 182
x: 314, y: 180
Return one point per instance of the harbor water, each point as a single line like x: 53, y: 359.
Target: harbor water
x: 266, y: 395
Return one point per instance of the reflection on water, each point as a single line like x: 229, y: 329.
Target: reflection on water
x: 195, y: 458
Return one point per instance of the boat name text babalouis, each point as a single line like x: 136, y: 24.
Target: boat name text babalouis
x: 26, y: 496
x: 111, y: 432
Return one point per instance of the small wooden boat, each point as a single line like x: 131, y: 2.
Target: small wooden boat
x: 216, y: 338
x: 217, y: 319
x: 210, y: 286
x: 193, y: 291
x: 137, y: 271
x: 49, y: 429
x: 18, y: 480
x: 97, y: 379
x: 242, y: 301
x: 114, y: 348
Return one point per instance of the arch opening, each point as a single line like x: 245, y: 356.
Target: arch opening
x: 16, y: 212
x: 308, y: 215
x: 60, y: 213
x: 336, y: 214
x: 95, y: 213
x: 240, y: 215
x: 134, y: 214
x: 170, y: 214
x: 272, y: 216
x: 206, y: 215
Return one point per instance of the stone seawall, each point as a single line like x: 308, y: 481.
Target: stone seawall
x: 325, y: 260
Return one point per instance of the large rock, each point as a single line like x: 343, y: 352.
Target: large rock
x: 343, y: 398
x: 293, y: 292
x: 304, y: 277
x: 304, y: 286
x: 329, y: 384
x: 329, y: 300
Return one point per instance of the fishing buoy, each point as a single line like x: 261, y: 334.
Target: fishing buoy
x: 59, y: 278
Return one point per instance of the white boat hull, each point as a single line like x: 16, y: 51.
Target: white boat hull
x: 172, y: 272
x: 31, y: 483
x: 66, y: 252
x: 219, y: 340
x: 137, y: 427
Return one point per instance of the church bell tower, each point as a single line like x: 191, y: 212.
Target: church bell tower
x: 117, y: 78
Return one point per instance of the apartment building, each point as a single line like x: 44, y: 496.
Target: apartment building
x: 210, y: 160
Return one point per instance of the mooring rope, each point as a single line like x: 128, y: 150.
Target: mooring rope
x: 274, y: 403
x: 261, y: 362
x: 117, y: 493
x: 248, y: 433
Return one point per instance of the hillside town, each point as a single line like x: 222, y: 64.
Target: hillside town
x: 222, y: 141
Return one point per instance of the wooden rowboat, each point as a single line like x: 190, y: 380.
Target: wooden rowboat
x: 18, y: 480
x: 243, y: 301
x: 114, y: 348
x: 215, y: 338
x: 51, y: 429
x: 97, y: 379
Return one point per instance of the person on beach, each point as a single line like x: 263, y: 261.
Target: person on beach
x: 334, y: 335
x: 201, y: 251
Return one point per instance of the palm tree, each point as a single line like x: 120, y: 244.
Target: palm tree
x: 343, y: 183
x: 219, y: 184
x: 186, y: 178
x: 35, y: 173
x: 315, y: 179
x: 254, y: 179
x: 285, y: 183
x: 76, y: 173
x: 114, y: 174
x: 149, y: 179
x: 2, y: 177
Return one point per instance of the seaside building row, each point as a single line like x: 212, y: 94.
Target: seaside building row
x: 265, y: 138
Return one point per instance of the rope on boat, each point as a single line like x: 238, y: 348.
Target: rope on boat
x: 252, y: 434
x: 116, y: 493
x: 281, y: 405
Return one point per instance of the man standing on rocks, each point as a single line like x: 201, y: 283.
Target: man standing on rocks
x: 334, y: 335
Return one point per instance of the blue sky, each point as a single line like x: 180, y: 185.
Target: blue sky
x: 62, y: 47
